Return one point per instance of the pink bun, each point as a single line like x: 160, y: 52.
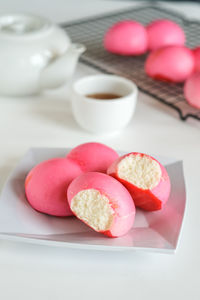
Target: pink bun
x: 93, y: 157
x: 192, y: 90
x: 119, y: 198
x: 171, y: 63
x: 196, y: 53
x: 164, y: 33
x: 126, y: 38
x: 46, y: 185
x: 147, y: 199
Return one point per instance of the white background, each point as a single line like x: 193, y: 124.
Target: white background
x: 39, y: 272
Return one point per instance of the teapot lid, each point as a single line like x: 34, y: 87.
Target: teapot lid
x: 18, y: 25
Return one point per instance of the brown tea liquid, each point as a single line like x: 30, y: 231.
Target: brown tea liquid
x: 103, y: 96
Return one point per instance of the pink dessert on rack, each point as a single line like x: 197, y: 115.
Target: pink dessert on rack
x: 196, y: 53
x: 126, y: 38
x: 170, y: 63
x: 192, y: 90
x: 164, y: 33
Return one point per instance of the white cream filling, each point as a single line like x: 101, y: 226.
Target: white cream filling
x: 142, y: 171
x: 93, y: 208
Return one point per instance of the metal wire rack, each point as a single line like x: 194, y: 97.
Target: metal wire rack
x: 90, y: 32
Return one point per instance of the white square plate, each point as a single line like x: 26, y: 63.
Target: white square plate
x: 155, y: 231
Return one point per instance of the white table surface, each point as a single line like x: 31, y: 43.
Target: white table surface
x: 39, y: 272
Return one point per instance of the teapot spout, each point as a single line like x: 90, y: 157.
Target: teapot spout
x: 61, y: 68
x: 79, y: 48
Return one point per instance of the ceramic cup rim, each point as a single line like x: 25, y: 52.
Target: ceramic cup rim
x: 115, y: 78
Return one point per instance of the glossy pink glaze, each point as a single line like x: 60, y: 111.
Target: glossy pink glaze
x: 126, y: 38
x: 192, y: 90
x: 93, y: 157
x: 196, y: 53
x: 164, y: 33
x: 150, y: 200
x: 46, y: 185
x: 170, y: 63
x: 119, y: 197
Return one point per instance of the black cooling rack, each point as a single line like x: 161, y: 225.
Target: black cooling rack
x: 90, y: 32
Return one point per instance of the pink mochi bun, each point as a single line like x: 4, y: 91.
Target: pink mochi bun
x: 170, y: 63
x: 164, y: 33
x: 196, y: 53
x: 102, y: 203
x: 126, y: 38
x: 93, y: 157
x: 144, y: 177
x: 46, y: 185
x: 192, y: 90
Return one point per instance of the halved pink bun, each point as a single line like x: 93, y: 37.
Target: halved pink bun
x: 170, y: 63
x: 126, y: 38
x: 46, y: 185
x: 93, y: 157
x: 102, y: 203
x: 144, y: 177
x: 196, y: 53
x: 192, y: 90
x: 164, y: 33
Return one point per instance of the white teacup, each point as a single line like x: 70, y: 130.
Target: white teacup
x: 103, y: 116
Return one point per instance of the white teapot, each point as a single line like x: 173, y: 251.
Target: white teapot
x: 35, y: 54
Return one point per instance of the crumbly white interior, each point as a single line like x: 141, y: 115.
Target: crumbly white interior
x: 142, y: 171
x: 93, y: 208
